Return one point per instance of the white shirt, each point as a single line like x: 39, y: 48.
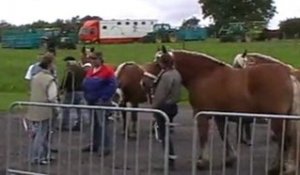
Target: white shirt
x: 96, y: 69
x: 52, y: 92
x: 28, y: 73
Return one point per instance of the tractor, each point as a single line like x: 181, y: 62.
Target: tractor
x: 242, y: 31
x: 161, y: 33
x: 164, y: 33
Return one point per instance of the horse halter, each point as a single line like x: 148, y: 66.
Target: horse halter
x: 159, y: 54
x: 150, y: 75
x: 155, y: 79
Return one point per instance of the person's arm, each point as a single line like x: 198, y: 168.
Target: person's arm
x: 28, y: 73
x: 111, y: 89
x: 52, y: 92
x: 28, y: 77
x: 66, y: 80
x: 162, y: 90
x: 111, y: 86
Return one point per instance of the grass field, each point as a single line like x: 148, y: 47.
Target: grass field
x: 14, y: 63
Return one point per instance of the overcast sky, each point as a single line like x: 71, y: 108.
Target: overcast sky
x: 171, y: 11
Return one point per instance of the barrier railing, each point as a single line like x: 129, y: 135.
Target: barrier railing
x: 70, y: 159
x: 261, y: 147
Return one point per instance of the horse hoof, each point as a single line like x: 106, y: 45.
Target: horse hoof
x: 274, y: 138
x: 289, y: 170
x: 274, y: 171
x: 247, y: 142
x: 171, y: 164
x: 230, y: 161
x: 202, y: 164
x: 132, y: 136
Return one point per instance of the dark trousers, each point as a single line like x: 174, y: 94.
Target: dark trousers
x: 171, y: 110
x: 72, y: 98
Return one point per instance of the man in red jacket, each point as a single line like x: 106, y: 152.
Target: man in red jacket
x: 99, y: 86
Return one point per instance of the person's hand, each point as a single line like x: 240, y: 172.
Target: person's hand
x: 61, y: 92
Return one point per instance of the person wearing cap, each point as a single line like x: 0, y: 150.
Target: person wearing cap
x: 71, y: 87
x: 99, y: 86
x: 43, y: 90
x: 35, y: 68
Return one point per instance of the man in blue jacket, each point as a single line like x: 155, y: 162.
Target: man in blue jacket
x: 99, y: 86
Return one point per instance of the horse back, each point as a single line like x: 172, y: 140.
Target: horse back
x: 270, y: 88
x: 259, y: 89
x: 129, y: 81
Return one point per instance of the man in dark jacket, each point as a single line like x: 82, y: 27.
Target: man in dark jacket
x: 99, y: 86
x: 71, y: 85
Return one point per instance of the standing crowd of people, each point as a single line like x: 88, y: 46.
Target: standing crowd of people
x: 95, y: 84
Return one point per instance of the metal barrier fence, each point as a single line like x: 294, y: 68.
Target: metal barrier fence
x: 254, y: 160
x: 70, y: 159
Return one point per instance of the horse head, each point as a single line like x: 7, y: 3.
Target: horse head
x: 152, y: 72
x: 163, y: 55
x: 85, y: 52
x: 243, y: 60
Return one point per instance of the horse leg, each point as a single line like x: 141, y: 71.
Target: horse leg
x: 203, y: 128
x: 123, y: 104
x: 276, y: 127
x: 133, y: 121
x: 291, y: 147
x: 237, y: 131
x: 230, y: 152
x: 245, y: 128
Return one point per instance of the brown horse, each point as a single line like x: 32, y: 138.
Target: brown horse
x: 216, y: 86
x: 129, y: 75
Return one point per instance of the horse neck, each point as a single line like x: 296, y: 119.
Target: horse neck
x: 261, y: 60
x: 192, y: 67
x: 152, y: 68
x: 84, y: 59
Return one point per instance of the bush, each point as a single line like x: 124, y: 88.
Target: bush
x: 290, y: 28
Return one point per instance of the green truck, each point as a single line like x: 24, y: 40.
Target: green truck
x: 165, y: 33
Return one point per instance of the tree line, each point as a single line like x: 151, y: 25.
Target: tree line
x: 220, y: 11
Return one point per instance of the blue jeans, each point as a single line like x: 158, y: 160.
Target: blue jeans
x: 70, y: 99
x: 101, y: 127
x: 39, y: 147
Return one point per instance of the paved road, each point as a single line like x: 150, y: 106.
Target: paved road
x: 67, y: 162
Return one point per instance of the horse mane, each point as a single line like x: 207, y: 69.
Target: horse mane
x: 269, y: 58
x: 121, y: 66
x: 206, y: 56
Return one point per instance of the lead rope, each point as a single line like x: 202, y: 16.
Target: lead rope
x: 155, y: 125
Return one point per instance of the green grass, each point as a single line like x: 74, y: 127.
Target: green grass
x: 9, y: 97
x: 14, y: 63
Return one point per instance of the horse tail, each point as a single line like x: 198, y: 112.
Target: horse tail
x: 293, y: 126
x: 121, y: 66
x: 119, y: 95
